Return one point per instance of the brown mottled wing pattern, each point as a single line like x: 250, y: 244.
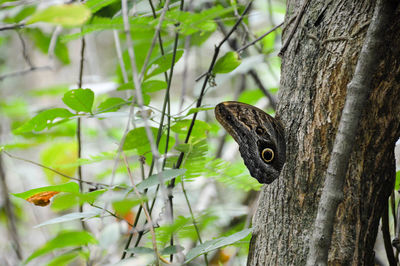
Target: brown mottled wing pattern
x: 260, y: 137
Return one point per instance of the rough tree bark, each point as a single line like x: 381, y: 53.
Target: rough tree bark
x: 316, y: 69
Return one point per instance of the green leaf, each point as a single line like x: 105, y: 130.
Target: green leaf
x: 71, y: 217
x: 268, y: 42
x: 57, y: 155
x: 64, y: 202
x: 164, y: 232
x: 215, y: 244
x: 68, y: 200
x: 137, y: 139
x: 397, y: 185
x: 227, y: 63
x: 67, y: 187
x: 122, y: 207
x: 64, y: 259
x: 63, y: 240
x: 111, y: 105
x: 24, y: 13
x: 42, y: 42
x: 251, y: 96
x: 71, y: 15
x: 162, y: 63
x: 203, y: 22
x: 235, y: 175
x: 140, y: 250
x: 141, y: 28
x: 96, y: 5
x: 150, y: 86
x: 54, y: 90
x: 45, y: 119
x: 163, y: 176
x: 80, y: 100
x: 200, y: 128
x: 172, y: 250
x: 196, y: 110
x: 147, y: 87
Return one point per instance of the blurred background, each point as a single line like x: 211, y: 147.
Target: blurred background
x: 40, y: 61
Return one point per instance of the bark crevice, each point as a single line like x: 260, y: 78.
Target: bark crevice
x: 313, y: 89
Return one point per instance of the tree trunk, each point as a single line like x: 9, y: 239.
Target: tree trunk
x: 316, y: 69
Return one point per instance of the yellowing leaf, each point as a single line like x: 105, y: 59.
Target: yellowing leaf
x: 57, y: 155
x: 71, y: 15
x: 42, y: 198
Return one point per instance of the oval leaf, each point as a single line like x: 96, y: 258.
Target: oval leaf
x: 216, y: 243
x: 62, y: 240
x: 80, y: 100
x: 137, y: 139
x: 227, y: 63
x: 65, y: 15
x: 147, y: 86
x: 163, y: 176
x: 45, y: 119
x: 111, y: 105
x: 67, y: 187
x: 162, y: 63
x: 70, y: 217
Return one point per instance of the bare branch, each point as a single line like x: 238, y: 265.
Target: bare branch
x: 198, y: 104
x: 296, y: 24
x: 137, y: 82
x: 25, y: 71
x: 258, y: 39
x: 10, y: 213
x: 95, y: 184
x: 146, y: 212
x: 79, y: 125
x: 12, y: 26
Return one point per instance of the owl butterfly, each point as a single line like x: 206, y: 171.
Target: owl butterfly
x: 260, y: 137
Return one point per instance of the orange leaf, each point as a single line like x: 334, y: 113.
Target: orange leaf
x: 42, y: 198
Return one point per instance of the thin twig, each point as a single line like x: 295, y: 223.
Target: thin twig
x: 259, y: 38
x: 25, y: 71
x: 386, y: 237
x: 257, y: 80
x: 393, y: 209
x: 216, y: 52
x: 95, y: 184
x: 252, y: 72
x: 137, y: 82
x: 116, y: 216
x: 192, y: 215
x: 24, y: 51
x: 9, y: 212
x: 12, y: 26
x: 158, y: 138
x: 79, y: 125
x: 119, y: 56
x: 198, y: 104
x: 153, y: 234
x: 296, y: 24
x: 239, y: 50
x: 53, y: 41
